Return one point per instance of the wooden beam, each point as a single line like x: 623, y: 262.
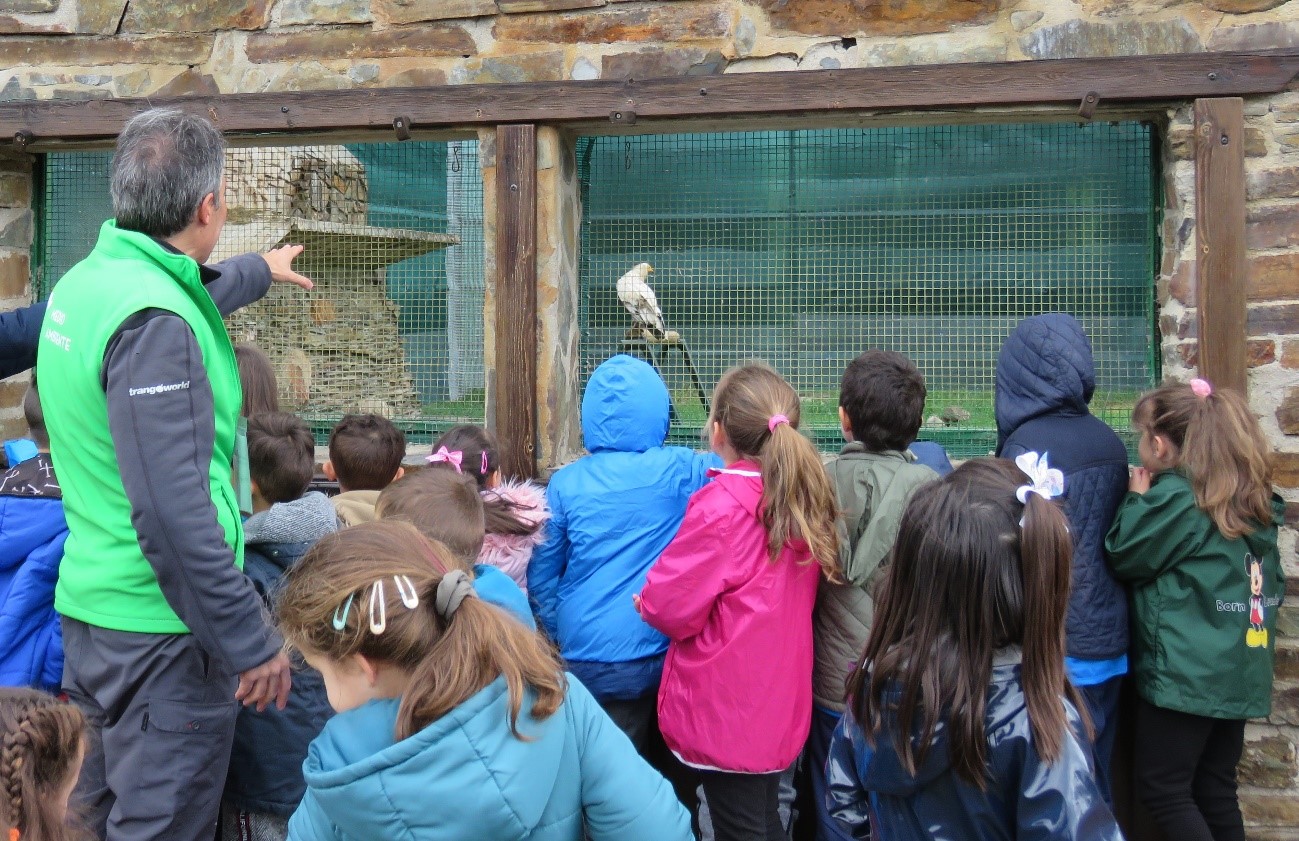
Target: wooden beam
x: 1220, y: 240
x: 617, y: 103
x: 516, y: 298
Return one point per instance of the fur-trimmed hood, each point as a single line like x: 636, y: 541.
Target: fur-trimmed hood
x: 511, y: 553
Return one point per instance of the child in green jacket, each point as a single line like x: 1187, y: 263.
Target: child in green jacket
x: 1196, y: 540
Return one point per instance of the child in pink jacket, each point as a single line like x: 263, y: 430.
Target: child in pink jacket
x: 515, y: 509
x: 734, y: 593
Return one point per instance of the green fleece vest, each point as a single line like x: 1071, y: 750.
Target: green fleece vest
x: 104, y: 579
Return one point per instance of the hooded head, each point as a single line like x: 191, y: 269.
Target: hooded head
x: 1045, y: 367
x: 625, y: 407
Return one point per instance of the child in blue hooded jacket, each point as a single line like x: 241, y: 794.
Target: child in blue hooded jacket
x: 454, y: 721
x: 613, y: 513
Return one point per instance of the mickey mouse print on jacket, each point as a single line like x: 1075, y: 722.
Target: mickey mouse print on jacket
x: 1203, y: 605
x: 1256, y: 636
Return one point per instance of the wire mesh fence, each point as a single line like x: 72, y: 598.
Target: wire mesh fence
x: 805, y: 248
x: 393, y: 240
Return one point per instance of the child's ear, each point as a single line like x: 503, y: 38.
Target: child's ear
x: 1162, y: 446
x: 845, y: 424
x: 401, y: 471
x: 328, y: 469
x: 368, y: 667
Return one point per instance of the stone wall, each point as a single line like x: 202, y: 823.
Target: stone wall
x: 86, y: 49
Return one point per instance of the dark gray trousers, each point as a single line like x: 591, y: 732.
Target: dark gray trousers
x: 161, y: 719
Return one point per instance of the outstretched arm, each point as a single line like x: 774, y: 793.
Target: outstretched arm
x: 20, y: 330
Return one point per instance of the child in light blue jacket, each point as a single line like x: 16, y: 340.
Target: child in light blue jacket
x: 454, y: 721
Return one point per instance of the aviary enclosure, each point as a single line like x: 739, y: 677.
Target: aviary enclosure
x: 800, y: 239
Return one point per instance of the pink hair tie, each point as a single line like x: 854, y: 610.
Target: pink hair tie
x: 1201, y: 388
x: 445, y: 456
x: 775, y: 421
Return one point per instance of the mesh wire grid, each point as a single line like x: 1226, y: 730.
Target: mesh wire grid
x: 805, y: 248
x: 394, y: 242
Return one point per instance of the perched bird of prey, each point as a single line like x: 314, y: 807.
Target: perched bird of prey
x: 636, y: 295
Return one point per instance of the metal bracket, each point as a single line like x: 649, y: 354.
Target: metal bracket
x: 625, y: 117
x: 1087, y: 108
x: 23, y: 138
x: 401, y: 125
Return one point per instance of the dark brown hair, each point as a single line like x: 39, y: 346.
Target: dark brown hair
x: 477, y: 447
x: 798, y: 501
x: 257, y: 379
x: 281, y: 455
x: 473, y: 443
x: 966, y: 580
x: 35, y: 416
x: 443, y: 505
x: 1221, y: 448
x: 366, y: 452
x: 448, y: 659
x: 39, y: 741
x: 883, y: 395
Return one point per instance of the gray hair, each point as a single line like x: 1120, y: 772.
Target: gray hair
x: 166, y: 162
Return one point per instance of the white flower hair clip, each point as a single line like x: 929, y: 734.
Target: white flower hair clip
x: 1044, y: 480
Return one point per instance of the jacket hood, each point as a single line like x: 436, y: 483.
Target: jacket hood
x: 1045, y: 367
x: 302, y: 520
x: 356, y: 507
x: 463, y: 776
x: 625, y: 407
x: 883, y: 771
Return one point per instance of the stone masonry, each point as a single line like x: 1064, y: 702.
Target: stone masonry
x: 87, y: 49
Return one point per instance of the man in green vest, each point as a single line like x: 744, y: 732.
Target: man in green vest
x: 163, y: 635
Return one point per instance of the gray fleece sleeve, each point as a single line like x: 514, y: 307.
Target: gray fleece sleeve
x: 238, y: 281
x: 163, y: 443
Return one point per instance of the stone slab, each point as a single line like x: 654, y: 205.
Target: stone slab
x: 363, y: 249
x: 30, y: 7
x: 528, y: 67
x: 1276, y: 183
x: 361, y: 42
x: 292, y: 12
x: 1274, y: 277
x: 513, y: 7
x: 80, y: 51
x: 663, y: 22
x: 650, y: 63
x: 15, y: 274
x: 837, y: 18
x: 1287, y: 414
x: 412, y: 11
x: 196, y: 16
x: 99, y: 17
x: 1088, y: 39
x: 1242, y: 7
x: 1256, y: 36
x: 1273, y: 227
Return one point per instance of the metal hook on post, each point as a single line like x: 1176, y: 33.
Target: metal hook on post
x: 1087, y: 108
x: 401, y: 125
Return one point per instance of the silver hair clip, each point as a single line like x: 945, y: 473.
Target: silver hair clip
x: 380, y: 624
x: 406, y: 589
x: 340, y: 613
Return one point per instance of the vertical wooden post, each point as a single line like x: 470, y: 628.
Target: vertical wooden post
x: 516, y: 298
x: 1220, y: 239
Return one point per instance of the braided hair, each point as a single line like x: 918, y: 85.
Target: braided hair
x: 41, y: 741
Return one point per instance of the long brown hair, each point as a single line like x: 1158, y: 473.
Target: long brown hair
x: 967, y: 579
x: 257, y: 379
x: 1221, y: 448
x: 448, y: 659
x: 39, y: 741
x: 798, y: 501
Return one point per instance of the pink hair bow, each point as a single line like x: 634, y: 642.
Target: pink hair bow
x: 445, y: 456
x: 1201, y: 388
